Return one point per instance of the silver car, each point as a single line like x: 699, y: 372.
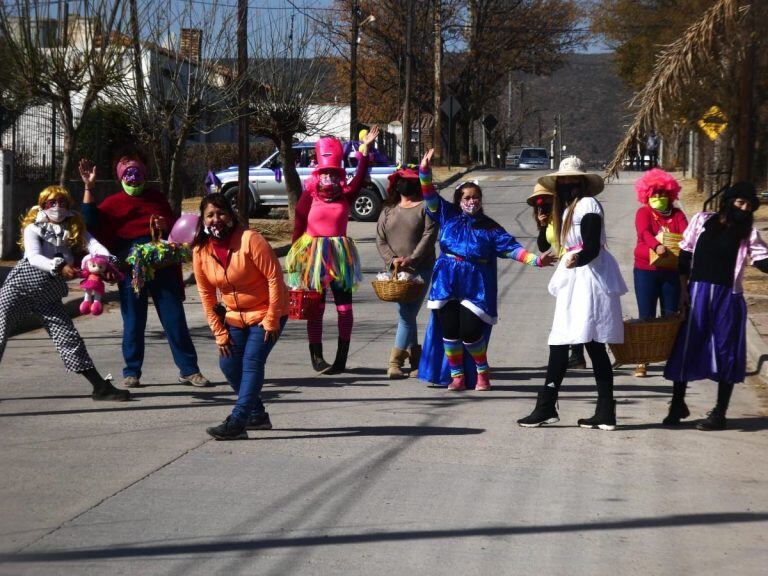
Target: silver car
x: 267, y: 189
x: 533, y: 159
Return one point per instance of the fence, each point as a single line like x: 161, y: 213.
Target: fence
x: 37, y: 144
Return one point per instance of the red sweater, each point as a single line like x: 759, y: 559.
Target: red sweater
x: 122, y: 217
x: 648, y: 223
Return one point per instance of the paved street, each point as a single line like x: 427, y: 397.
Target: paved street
x: 363, y: 475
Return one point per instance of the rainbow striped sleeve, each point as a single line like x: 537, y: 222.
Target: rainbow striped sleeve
x: 431, y: 197
x: 507, y: 246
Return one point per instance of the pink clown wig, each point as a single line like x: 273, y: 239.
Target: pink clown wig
x: 656, y: 181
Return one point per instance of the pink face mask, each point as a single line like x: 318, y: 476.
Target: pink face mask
x: 471, y: 206
x: 329, y: 186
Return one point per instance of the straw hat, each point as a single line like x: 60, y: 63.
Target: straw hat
x: 538, y: 192
x: 572, y: 166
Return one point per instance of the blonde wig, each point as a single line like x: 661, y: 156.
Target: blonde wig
x: 74, y: 223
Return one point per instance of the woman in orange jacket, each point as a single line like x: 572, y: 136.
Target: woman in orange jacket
x: 243, y: 268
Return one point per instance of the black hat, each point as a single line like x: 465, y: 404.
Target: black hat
x: 745, y: 191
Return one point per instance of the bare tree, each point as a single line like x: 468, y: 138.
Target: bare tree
x: 177, y: 83
x: 63, y: 58
x: 289, y: 69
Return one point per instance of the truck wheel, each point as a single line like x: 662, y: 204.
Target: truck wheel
x: 231, y: 195
x: 262, y: 211
x: 367, y: 206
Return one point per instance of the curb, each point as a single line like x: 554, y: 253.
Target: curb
x: 757, y: 353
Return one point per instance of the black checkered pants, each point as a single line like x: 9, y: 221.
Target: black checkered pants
x: 28, y: 290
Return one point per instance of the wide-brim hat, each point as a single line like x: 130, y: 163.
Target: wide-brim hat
x: 572, y: 166
x: 538, y: 191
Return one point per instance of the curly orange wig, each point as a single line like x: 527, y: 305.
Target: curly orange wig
x: 656, y: 181
x: 74, y: 223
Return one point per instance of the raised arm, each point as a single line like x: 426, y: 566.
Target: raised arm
x: 356, y: 184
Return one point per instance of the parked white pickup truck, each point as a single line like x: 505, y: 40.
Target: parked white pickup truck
x: 268, y: 189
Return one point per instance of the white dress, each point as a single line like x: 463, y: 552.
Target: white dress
x: 588, y: 305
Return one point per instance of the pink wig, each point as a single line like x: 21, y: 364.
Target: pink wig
x: 656, y: 181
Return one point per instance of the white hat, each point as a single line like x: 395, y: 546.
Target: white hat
x: 572, y: 166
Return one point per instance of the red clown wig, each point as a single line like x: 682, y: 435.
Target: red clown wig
x: 656, y: 181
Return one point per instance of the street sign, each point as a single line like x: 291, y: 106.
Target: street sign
x: 713, y: 123
x: 451, y: 107
x: 490, y: 122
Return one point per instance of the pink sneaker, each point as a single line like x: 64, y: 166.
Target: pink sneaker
x: 85, y: 307
x: 457, y: 384
x: 483, y: 382
x: 96, y: 308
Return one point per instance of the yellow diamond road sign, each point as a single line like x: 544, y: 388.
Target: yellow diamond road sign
x: 713, y: 123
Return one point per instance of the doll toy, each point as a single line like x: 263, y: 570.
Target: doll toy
x: 94, y: 268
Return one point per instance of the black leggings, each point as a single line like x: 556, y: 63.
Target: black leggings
x: 460, y: 323
x: 601, y: 366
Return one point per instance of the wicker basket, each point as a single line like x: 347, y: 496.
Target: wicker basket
x: 647, y: 341
x: 304, y: 304
x: 393, y: 290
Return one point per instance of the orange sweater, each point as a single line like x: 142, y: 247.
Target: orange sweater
x: 251, y: 287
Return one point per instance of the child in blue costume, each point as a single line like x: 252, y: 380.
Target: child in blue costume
x: 464, y: 286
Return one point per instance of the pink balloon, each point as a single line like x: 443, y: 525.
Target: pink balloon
x: 183, y: 231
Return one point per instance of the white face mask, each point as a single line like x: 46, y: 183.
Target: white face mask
x: 57, y: 214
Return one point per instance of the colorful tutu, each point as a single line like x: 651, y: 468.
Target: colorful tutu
x: 314, y: 262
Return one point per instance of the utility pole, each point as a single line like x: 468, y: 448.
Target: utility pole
x: 353, y: 70
x: 407, y: 102
x: 242, y: 104
x: 437, y: 138
x: 745, y: 135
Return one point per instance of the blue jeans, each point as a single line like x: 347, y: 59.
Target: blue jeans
x: 407, y: 331
x: 244, y: 368
x: 167, y: 294
x: 654, y: 286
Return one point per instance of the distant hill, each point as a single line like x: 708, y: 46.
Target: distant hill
x: 592, y: 100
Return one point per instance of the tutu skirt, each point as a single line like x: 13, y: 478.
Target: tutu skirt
x: 314, y: 262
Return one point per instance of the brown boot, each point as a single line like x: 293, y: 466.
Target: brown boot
x: 415, y: 354
x: 396, y: 360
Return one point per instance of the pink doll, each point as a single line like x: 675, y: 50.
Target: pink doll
x: 94, y: 267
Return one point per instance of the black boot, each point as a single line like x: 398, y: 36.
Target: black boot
x: 605, y: 416
x: 316, y: 354
x: 715, y: 420
x: 545, y: 411
x: 340, y: 363
x: 677, y: 407
x: 259, y: 422
x: 103, y: 391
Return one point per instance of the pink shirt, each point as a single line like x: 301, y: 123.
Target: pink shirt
x: 648, y: 223
x: 318, y: 218
x: 754, y: 247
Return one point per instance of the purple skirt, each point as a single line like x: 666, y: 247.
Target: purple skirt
x: 712, y: 342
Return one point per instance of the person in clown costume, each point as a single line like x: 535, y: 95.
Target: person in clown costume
x: 322, y: 256
x: 53, y: 238
x: 464, y: 284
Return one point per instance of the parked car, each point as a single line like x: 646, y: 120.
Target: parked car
x: 267, y: 189
x: 533, y: 159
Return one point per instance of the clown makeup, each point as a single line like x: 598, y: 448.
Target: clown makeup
x: 133, y: 181
x: 217, y: 222
x: 471, y: 201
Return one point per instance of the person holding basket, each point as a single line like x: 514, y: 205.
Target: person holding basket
x: 122, y: 221
x: 464, y: 288
x: 405, y: 238
x: 660, y: 226
x: 711, y: 344
x: 322, y: 255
